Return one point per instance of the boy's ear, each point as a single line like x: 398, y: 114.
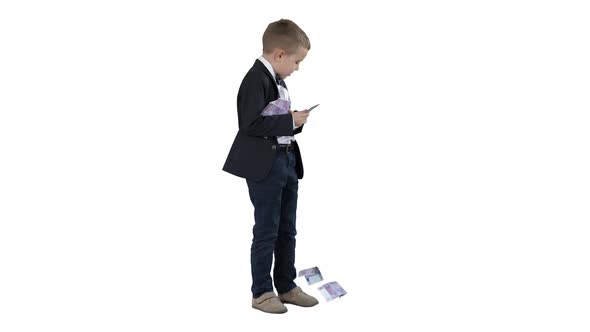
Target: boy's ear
x: 279, y: 53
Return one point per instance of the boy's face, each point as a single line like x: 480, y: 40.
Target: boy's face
x: 286, y: 64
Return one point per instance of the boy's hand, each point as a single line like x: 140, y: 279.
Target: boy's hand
x: 299, y: 117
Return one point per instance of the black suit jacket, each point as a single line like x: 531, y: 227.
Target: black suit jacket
x: 255, y: 147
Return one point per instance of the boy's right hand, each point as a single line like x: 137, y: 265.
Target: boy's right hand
x: 299, y: 117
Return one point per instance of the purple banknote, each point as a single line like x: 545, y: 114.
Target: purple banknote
x: 312, y: 275
x: 332, y: 290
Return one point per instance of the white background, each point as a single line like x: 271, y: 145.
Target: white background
x: 446, y: 185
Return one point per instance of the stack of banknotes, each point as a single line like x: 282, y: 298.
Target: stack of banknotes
x: 277, y: 107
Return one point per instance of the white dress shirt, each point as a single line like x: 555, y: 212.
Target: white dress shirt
x: 284, y: 94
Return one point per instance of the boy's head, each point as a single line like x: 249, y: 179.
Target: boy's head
x: 284, y: 45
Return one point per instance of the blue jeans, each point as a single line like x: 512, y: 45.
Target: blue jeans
x: 275, y: 206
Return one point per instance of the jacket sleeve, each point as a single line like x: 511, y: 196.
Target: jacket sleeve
x: 298, y: 130
x: 251, y: 102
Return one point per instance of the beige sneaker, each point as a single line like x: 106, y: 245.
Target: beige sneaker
x: 269, y: 302
x: 298, y: 297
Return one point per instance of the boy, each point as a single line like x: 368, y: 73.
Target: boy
x: 266, y: 154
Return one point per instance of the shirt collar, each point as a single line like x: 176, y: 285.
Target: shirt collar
x: 268, y: 66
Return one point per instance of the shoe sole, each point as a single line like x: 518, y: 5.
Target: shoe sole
x: 299, y: 305
x: 271, y: 312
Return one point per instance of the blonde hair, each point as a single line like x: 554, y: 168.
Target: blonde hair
x: 284, y: 34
